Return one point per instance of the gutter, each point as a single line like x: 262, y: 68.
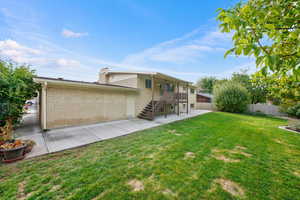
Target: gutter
x: 82, y: 84
x: 44, y: 103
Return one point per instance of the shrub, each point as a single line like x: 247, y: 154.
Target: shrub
x: 231, y: 97
x: 294, y: 110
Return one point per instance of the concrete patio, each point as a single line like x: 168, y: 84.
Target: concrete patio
x: 65, y: 138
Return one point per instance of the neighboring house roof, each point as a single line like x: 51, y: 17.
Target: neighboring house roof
x: 157, y: 74
x: 60, y: 81
x: 205, y: 95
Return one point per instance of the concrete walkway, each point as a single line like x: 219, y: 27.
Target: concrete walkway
x: 66, y: 138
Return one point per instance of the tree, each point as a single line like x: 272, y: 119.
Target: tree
x: 206, y: 84
x: 257, y: 90
x: 281, y: 89
x: 268, y: 30
x: 231, y: 97
x: 16, y: 87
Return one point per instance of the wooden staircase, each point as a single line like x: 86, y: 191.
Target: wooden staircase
x: 147, y: 112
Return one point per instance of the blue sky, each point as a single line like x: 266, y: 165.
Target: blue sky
x: 73, y: 39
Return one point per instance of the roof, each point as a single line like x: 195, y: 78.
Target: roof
x: 158, y: 74
x: 61, y: 81
x: 205, y: 95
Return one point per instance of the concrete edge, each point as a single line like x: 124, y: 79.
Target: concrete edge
x: 284, y: 128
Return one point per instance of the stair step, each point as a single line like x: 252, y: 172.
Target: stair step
x: 147, y: 118
x: 146, y: 114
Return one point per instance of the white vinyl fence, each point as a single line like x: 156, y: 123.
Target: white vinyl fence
x: 205, y: 106
x: 266, y: 109
x: 263, y: 108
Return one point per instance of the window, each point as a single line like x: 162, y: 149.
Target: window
x: 192, y: 90
x: 148, y: 83
x: 170, y: 87
x: 192, y: 106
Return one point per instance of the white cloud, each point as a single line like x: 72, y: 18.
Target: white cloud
x: 21, y: 54
x: 215, y: 38
x: 67, y: 62
x: 71, y: 34
x: 13, y: 47
x: 183, y: 50
x: 250, y: 67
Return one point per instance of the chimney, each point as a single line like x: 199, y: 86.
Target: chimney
x: 102, y: 75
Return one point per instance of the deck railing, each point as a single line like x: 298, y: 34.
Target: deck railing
x: 171, y: 97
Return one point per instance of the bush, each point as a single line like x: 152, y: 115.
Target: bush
x: 231, y: 97
x: 294, y: 111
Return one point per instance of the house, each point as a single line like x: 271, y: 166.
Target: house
x: 116, y: 95
x: 204, y: 98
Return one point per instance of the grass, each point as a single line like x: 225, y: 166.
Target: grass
x: 182, y: 160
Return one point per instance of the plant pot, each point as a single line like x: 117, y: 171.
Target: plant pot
x: 29, y: 145
x: 28, y: 149
x: 12, y: 155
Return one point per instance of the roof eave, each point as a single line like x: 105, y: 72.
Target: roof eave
x: 82, y: 84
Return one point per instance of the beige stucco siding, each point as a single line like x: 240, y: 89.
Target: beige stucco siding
x: 68, y: 106
x: 192, y: 99
x: 145, y: 94
x: 129, y: 80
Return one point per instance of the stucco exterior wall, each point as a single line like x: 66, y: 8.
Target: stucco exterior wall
x: 69, y: 106
x: 129, y: 80
x: 145, y: 94
x: 192, y: 99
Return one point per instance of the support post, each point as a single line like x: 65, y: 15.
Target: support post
x: 152, y: 98
x: 177, y: 100
x: 187, y: 99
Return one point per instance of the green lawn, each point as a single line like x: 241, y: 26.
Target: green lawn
x: 213, y: 156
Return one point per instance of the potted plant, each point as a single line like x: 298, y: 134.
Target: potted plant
x: 13, y: 150
x: 16, y: 87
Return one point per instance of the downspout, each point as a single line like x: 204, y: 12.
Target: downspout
x: 44, y: 106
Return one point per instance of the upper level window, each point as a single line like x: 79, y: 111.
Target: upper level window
x: 148, y: 83
x: 192, y: 90
x: 170, y: 87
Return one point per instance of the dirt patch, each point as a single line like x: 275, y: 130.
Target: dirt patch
x: 231, y: 187
x: 240, y: 152
x: 226, y: 159
x: 21, y: 191
x: 240, y: 147
x: 188, y: 155
x: 218, y: 150
x: 169, y: 192
x: 136, y: 185
x: 55, y: 188
x: 174, y: 132
x: 152, y: 155
x: 217, y: 154
x: 297, y: 173
x: 279, y: 141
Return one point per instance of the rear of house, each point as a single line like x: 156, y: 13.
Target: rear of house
x: 158, y: 93
x: 115, y: 96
